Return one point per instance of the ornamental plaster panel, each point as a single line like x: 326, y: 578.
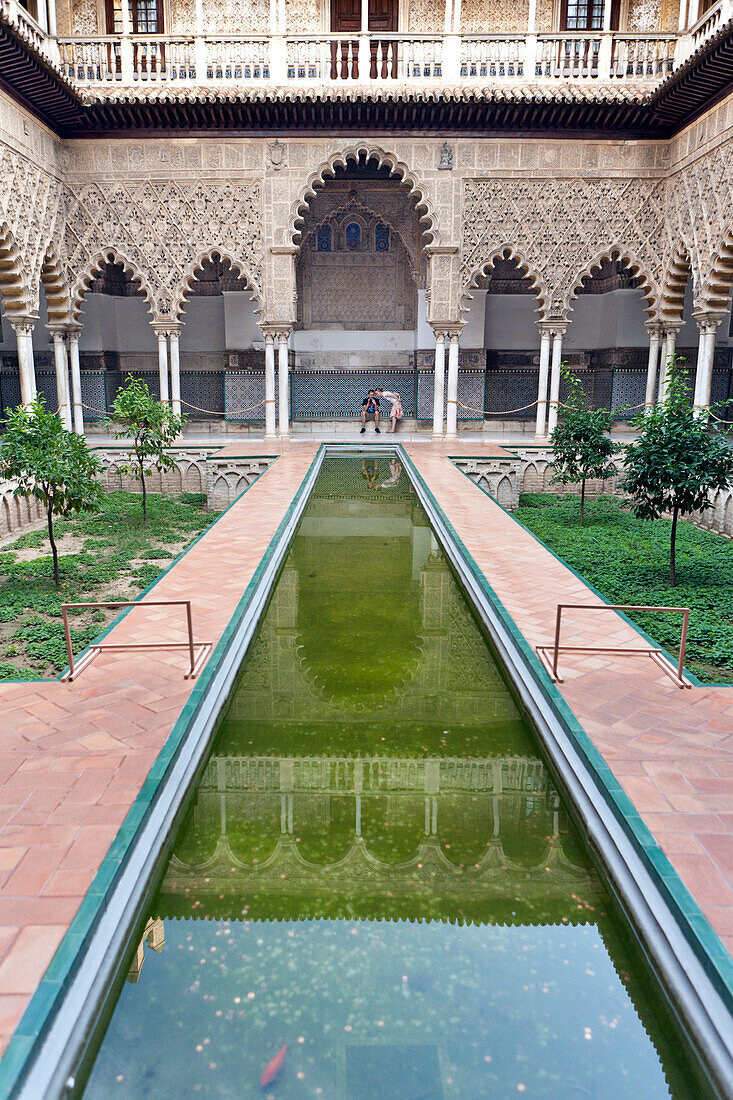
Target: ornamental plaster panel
x: 426, y: 17
x: 502, y: 17
x: 84, y: 18
x: 644, y: 15
x: 559, y: 229
x: 303, y: 16
x: 223, y: 18
x: 29, y: 224
x: 162, y: 231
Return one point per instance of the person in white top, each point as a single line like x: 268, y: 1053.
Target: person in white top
x: 395, y: 413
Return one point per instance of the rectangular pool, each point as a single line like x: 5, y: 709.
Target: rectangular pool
x: 376, y: 879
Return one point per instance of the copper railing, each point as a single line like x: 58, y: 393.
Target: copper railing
x: 549, y: 654
x: 197, y: 651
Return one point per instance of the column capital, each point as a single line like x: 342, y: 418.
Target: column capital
x: 654, y: 328
x: 23, y: 324
x: 166, y: 328
x: 276, y: 329
x: 554, y: 328
x: 671, y: 328
x: 708, y: 322
x: 448, y: 329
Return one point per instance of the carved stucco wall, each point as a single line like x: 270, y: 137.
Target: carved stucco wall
x: 644, y: 15
x: 160, y: 228
x: 30, y: 206
x: 558, y: 205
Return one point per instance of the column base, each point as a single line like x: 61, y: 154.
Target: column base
x: 451, y: 437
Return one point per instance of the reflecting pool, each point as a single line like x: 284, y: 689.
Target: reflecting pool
x: 377, y: 891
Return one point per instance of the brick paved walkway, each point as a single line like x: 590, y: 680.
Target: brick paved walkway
x: 74, y: 756
x: 671, y: 750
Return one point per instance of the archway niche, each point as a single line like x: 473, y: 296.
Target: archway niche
x: 360, y: 276
x: 607, y: 343
x: 220, y: 334
x: 116, y: 338
x: 500, y: 337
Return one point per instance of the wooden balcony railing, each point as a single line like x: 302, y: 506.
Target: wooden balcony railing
x: 332, y: 58
x: 200, y: 60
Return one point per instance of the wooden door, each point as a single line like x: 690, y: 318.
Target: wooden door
x: 346, y: 16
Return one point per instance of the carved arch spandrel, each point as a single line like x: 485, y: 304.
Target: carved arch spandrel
x: 162, y: 228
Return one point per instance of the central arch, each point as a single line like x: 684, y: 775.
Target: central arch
x: 354, y: 154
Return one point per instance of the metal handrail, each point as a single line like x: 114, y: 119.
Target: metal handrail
x: 196, y: 659
x: 654, y: 652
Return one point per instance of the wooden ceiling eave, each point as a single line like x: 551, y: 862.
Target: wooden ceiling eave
x: 700, y: 82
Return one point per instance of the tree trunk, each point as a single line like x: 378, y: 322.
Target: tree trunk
x: 673, y: 549
x: 145, y: 499
x: 582, y: 500
x: 54, y: 551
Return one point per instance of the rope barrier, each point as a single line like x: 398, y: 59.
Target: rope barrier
x: 550, y: 404
x: 212, y: 412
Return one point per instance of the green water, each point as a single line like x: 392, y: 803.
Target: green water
x: 376, y: 869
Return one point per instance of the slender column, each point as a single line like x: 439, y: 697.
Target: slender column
x: 545, y: 344
x: 448, y: 24
x: 669, y: 345
x: 76, y: 381
x: 175, y: 371
x: 284, y: 394
x: 607, y: 7
x: 199, y: 45
x: 451, y: 413
x: 456, y: 16
x: 26, y: 367
x: 705, y: 357
x: 62, y: 378
x: 163, y: 364
x: 655, y: 338
x: 270, y: 427
x: 693, y: 10
x: 557, y: 336
x: 439, y: 385
x: 126, y: 49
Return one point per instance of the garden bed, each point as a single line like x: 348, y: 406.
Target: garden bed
x: 105, y: 555
x: 627, y: 560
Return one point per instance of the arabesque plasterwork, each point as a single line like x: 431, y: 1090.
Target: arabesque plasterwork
x: 558, y: 208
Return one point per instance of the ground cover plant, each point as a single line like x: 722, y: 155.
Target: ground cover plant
x: 627, y: 560
x: 107, y: 555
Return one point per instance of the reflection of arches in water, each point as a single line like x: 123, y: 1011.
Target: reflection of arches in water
x: 393, y: 827
x: 323, y: 827
x: 360, y: 669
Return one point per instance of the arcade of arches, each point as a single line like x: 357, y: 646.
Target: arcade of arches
x: 271, y: 282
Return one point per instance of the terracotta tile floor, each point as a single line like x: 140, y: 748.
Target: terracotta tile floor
x: 671, y: 750
x: 74, y: 756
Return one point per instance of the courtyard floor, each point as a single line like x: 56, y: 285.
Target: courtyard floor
x: 73, y: 757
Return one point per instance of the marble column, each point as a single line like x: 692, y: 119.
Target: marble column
x: 557, y: 335
x: 545, y: 345
x: 61, y: 363
x: 655, y: 339
x: 174, y: 337
x: 439, y: 385
x: 26, y: 366
x: 451, y: 412
x: 669, y: 346
x: 76, y: 380
x: 283, y: 383
x: 705, y: 356
x: 270, y: 426
x: 163, y: 364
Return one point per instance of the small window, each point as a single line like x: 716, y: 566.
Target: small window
x: 324, y: 238
x: 587, y: 15
x: 146, y: 16
x: 353, y: 236
x: 381, y: 238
